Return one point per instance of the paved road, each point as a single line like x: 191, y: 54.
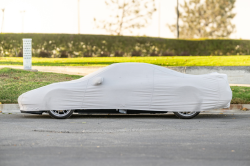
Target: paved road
x: 209, y: 139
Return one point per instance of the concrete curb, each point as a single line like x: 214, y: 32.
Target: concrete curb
x: 234, y: 108
x: 9, y: 108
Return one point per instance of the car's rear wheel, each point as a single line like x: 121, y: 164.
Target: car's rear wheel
x: 60, y: 114
x: 186, y: 115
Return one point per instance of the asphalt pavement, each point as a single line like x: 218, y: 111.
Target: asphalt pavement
x: 117, y: 140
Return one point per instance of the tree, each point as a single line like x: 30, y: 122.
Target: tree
x: 127, y: 15
x: 205, y: 19
x: 2, y: 20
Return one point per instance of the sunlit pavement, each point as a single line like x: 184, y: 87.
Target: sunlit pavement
x: 208, y: 139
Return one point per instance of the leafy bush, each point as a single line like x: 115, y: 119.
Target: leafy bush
x: 44, y: 54
x: 70, y: 45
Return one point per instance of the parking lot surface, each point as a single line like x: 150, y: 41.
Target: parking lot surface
x: 107, y: 140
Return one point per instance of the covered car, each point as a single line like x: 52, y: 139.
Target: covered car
x: 131, y: 88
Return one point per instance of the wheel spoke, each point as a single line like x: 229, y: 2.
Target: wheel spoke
x: 60, y: 113
x: 187, y: 113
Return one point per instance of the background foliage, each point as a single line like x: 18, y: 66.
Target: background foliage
x: 205, y: 18
x: 126, y: 16
x: 70, y: 45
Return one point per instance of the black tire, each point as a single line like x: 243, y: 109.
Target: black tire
x: 60, y: 114
x: 186, y: 115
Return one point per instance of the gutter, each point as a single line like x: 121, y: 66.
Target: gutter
x: 234, y: 108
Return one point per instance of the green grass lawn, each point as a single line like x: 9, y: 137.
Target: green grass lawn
x: 14, y: 82
x: 241, y: 95
x: 162, y: 61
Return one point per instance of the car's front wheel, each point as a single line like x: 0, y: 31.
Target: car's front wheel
x: 60, y: 114
x: 186, y: 115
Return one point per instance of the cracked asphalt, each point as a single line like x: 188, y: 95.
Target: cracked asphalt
x: 111, y: 140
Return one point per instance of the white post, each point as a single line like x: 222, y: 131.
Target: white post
x: 27, y: 54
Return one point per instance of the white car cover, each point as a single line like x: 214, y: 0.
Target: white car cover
x: 133, y: 86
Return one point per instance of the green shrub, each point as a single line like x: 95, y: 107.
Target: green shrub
x: 45, y: 54
x: 72, y: 45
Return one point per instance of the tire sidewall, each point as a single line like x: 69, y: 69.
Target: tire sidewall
x: 186, y: 117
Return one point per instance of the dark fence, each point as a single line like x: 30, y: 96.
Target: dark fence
x: 72, y: 45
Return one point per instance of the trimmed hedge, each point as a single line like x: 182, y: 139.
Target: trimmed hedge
x: 72, y: 45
